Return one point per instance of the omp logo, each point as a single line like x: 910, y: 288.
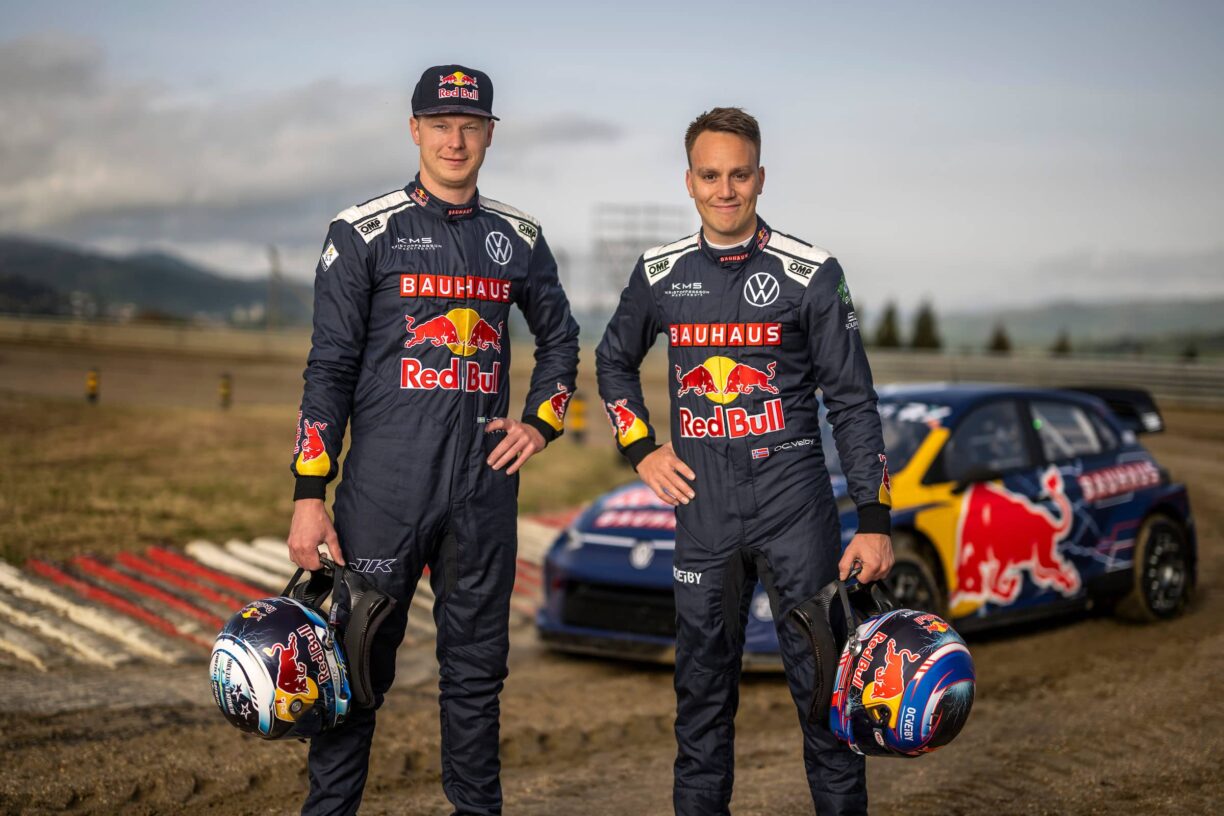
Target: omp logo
x: 369, y: 226
x: 658, y: 266
x: 527, y: 230
x: 800, y: 269
x: 761, y: 289
x: 370, y: 565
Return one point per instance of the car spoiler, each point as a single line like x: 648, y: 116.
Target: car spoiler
x: 1134, y: 407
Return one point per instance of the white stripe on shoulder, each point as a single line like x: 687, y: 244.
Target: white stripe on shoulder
x: 658, y: 262
x: 525, y: 225
x: 360, y: 212
x: 799, y: 259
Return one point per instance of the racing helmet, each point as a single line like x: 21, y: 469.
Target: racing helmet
x: 904, y: 685
x: 278, y: 672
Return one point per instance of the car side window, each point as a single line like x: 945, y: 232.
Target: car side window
x: 989, y: 440
x: 1107, y: 435
x: 1065, y: 430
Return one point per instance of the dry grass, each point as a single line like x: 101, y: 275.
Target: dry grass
x: 111, y: 477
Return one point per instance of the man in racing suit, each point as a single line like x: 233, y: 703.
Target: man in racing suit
x: 410, y: 350
x: 756, y: 321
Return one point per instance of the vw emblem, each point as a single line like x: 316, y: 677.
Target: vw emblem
x: 499, y: 248
x: 641, y: 554
x: 761, y: 289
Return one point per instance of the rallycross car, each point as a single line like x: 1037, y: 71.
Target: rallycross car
x: 1008, y: 503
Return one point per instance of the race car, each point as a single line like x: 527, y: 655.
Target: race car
x: 1008, y: 503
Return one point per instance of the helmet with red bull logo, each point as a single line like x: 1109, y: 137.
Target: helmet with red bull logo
x: 278, y: 672
x: 904, y: 685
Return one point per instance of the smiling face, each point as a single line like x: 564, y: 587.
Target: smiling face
x: 452, y: 150
x: 724, y: 180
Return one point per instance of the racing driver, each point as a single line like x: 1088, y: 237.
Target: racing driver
x: 410, y: 351
x: 755, y: 321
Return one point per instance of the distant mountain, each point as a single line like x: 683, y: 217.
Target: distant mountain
x: 37, y: 277
x: 1087, y: 324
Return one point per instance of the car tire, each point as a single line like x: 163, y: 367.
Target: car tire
x: 912, y: 579
x: 1160, y: 588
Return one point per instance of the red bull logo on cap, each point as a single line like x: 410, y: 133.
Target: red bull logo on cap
x: 1002, y: 536
x: 463, y: 86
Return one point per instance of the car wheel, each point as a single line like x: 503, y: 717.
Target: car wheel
x: 1161, y: 584
x: 912, y: 579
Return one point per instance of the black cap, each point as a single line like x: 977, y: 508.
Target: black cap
x: 453, y: 89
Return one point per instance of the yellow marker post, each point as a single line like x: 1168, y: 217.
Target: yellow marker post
x: 577, y: 419
x: 93, y: 380
x: 225, y: 390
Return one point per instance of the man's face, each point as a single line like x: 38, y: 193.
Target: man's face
x: 452, y: 148
x: 724, y: 181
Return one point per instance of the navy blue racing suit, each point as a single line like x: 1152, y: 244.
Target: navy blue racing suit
x: 752, y: 332
x: 410, y: 350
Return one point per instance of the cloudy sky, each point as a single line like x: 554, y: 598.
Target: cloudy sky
x: 978, y: 154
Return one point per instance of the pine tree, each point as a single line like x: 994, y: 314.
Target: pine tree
x: 1000, y: 343
x: 1062, y: 346
x: 887, y: 334
x: 926, y: 333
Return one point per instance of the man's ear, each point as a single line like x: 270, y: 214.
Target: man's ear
x: 688, y: 182
x: 489, y: 137
x: 414, y: 126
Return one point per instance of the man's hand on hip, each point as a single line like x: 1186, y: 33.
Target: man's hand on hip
x: 874, y: 551
x: 311, y: 526
x: 521, y: 443
x: 665, y: 474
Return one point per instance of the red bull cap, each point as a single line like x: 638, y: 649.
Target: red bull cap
x: 445, y: 89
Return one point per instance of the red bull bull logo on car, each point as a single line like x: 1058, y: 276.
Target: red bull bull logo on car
x: 1003, y: 535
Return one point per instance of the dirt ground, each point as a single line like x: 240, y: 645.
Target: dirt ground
x: 1088, y: 716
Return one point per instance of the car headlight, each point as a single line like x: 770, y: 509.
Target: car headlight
x: 573, y: 540
x: 761, y: 609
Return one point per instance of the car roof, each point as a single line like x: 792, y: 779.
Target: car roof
x: 960, y: 396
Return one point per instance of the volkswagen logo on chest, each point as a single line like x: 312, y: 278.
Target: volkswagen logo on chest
x: 497, y: 244
x: 761, y: 289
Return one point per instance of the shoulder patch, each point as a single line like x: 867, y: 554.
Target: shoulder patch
x: 800, y: 260
x: 370, y: 219
x: 661, y: 260
x: 526, y: 226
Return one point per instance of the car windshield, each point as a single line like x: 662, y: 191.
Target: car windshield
x: 905, y: 425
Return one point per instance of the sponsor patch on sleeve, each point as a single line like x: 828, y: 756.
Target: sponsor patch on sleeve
x: 329, y: 255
